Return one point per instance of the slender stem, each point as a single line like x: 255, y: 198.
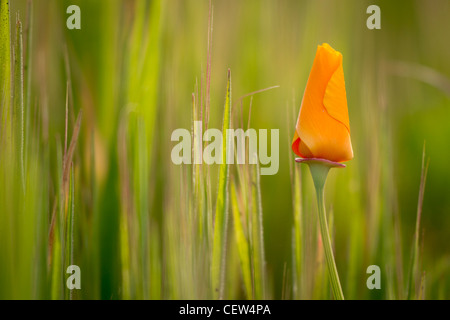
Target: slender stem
x: 319, y: 174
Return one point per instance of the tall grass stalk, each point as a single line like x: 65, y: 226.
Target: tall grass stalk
x: 221, y: 215
x: 298, y: 270
x: 28, y: 67
x: 19, y: 97
x: 242, y: 243
x: 5, y: 71
x: 257, y: 237
x: 416, y: 280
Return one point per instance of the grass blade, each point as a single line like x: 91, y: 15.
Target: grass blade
x: 257, y: 243
x: 414, y: 276
x: 242, y: 243
x: 221, y: 216
x: 28, y: 74
x: 5, y: 67
x: 18, y: 98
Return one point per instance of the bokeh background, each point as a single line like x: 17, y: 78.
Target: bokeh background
x: 132, y: 69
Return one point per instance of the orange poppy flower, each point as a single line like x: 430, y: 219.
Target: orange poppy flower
x: 323, y: 129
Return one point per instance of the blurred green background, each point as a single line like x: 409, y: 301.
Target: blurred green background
x: 132, y: 69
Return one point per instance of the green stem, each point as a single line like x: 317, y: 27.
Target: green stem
x: 319, y: 174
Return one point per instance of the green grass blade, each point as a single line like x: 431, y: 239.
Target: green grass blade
x: 198, y: 180
x: 298, y: 231
x: 414, y: 275
x: 69, y: 229
x: 56, y: 239
x: 28, y: 75
x: 242, y: 243
x: 221, y: 216
x: 5, y: 68
x: 257, y: 244
x: 18, y: 98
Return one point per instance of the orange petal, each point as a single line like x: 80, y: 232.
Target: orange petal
x: 300, y: 148
x: 323, y: 129
x: 335, y: 99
